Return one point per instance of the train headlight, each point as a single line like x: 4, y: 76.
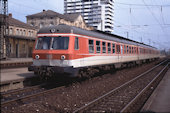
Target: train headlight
x: 63, y: 57
x: 37, y: 57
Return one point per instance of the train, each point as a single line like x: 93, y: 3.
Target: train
x: 78, y: 52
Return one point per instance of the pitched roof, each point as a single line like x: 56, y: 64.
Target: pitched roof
x: 50, y: 13
x: 72, y: 17
x: 62, y: 28
x: 17, y: 23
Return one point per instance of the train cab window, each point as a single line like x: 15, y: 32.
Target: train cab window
x: 46, y: 43
x: 113, y: 48
x: 60, y: 43
x: 76, y: 44
x: 91, y: 46
x: 118, y: 49
x: 104, y: 47
x: 43, y: 43
x: 109, y: 47
x: 97, y: 46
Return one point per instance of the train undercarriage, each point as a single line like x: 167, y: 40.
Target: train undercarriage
x: 46, y: 72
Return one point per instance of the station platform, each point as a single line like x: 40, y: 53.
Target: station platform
x: 159, y: 101
x: 15, y: 62
x: 14, y: 78
x: 14, y: 74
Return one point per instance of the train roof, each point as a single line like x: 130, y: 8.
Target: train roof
x: 62, y: 28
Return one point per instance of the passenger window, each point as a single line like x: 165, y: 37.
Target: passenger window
x: 104, y: 47
x: 109, y: 47
x: 91, y: 46
x: 137, y: 51
x: 118, y: 49
x: 76, y: 45
x: 142, y: 51
x: 113, y: 48
x: 132, y: 50
x: 98, y: 46
x: 127, y: 49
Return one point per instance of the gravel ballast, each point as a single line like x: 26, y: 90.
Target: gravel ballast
x: 77, y: 94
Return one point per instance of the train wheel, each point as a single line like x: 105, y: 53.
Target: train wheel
x: 35, y: 73
x: 112, y: 69
x: 81, y: 73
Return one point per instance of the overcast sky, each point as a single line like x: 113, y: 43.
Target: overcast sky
x: 141, y: 20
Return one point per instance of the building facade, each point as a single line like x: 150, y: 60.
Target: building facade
x: 49, y: 17
x: 20, y: 37
x: 96, y: 13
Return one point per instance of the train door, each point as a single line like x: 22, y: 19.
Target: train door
x: 118, y: 51
x: 138, y: 52
x: 121, y: 52
x: 121, y: 48
x: 77, y: 51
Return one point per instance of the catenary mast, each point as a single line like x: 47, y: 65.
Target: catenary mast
x: 4, y: 41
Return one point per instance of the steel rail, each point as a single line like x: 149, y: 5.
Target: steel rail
x: 20, y: 90
x: 141, y: 92
x: 3, y: 104
x: 114, y: 90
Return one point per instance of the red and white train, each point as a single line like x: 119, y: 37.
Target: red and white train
x: 68, y: 49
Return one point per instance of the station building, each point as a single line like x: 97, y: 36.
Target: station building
x: 49, y: 17
x: 20, y: 37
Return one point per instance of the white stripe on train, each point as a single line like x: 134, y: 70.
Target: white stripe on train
x: 89, y: 61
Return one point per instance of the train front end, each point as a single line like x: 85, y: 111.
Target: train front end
x: 52, y: 54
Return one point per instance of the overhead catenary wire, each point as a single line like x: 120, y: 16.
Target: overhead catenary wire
x: 154, y: 17
x: 145, y: 35
x: 142, y: 4
x: 140, y: 28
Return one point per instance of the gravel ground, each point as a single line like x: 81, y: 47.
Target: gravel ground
x: 78, y: 94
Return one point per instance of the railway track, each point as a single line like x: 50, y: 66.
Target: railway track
x: 24, y: 95
x: 131, y: 95
x: 6, y: 96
